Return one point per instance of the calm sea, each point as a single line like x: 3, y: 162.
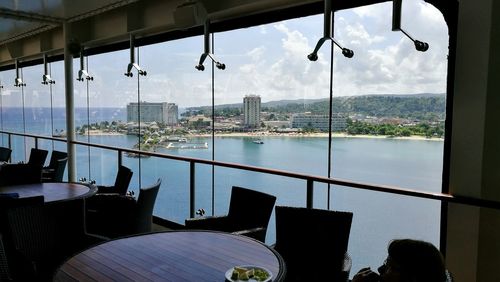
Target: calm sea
x: 378, y: 217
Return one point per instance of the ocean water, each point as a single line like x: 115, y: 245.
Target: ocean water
x: 378, y: 217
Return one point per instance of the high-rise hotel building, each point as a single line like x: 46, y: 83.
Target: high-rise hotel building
x: 251, y: 110
x: 167, y: 113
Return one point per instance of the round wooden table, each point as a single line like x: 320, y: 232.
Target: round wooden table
x: 52, y: 192
x: 170, y: 256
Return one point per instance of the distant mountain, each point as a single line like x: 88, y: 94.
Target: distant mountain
x: 312, y: 101
x: 426, y: 106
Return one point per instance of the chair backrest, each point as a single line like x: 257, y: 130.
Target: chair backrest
x: 250, y: 208
x: 59, y: 169
x: 11, y: 267
x: 16, y: 174
x: 55, y: 157
x: 122, y: 180
x: 145, y: 206
x: 37, y: 157
x: 48, y: 234
x: 312, y: 242
x: 5, y: 154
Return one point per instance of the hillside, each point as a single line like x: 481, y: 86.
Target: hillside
x: 417, y: 106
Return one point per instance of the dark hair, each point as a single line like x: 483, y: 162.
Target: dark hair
x: 419, y: 260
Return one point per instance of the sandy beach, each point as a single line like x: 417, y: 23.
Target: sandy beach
x: 308, y: 135
x: 274, y: 134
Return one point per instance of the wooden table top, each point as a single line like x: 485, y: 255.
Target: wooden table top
x: 52, y: 191
x: 170, y: 256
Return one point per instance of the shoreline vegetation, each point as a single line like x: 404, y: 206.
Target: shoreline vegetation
x: 261, y: 134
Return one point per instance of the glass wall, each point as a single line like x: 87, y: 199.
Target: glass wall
x: 270, y: 108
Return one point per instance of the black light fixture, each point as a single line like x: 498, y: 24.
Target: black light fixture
x: 46, y: 79
x: 132, y: 63
x: 396, y: 26
x: 18, y: 82
x: 206, y: 51
x: 82, y: 73
x: 328, y: 34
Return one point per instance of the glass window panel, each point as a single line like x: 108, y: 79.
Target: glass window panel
x: 171, y: 85
x: 394, y: 95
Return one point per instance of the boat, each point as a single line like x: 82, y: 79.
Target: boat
x: 135, y: 155
x: 177, y: 139
x: 173, y: 145
x: 258, y: 141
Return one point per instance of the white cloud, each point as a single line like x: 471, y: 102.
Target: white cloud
x: 256, y: 54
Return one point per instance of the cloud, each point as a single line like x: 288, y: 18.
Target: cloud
x: 271, y: 60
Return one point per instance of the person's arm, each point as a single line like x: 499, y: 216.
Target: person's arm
x: 366, y: 275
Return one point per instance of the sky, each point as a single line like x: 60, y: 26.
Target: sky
x: 268, y: 60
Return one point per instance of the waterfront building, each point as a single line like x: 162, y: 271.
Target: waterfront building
x: 251, y: 111
x: 199, y: 122
x: 166, y: 113
x: 320, y: 122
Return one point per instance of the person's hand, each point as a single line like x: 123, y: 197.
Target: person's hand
x: 366, y: 275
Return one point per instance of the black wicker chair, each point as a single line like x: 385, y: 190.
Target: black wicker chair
x: 54, y: 172
x: 45, y: 235
x: 13, y: 266
x: 5, y: 154
x: 17, y: 174
x: 38, y: 157
x: 313, y: 243
x: 249, y: 213
x: 122, y: 182
x: 114, y: 215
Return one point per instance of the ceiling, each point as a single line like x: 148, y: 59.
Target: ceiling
x: 31, y: 28
x: 23, y: 18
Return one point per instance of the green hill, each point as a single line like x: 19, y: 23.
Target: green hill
x: 417, y: 106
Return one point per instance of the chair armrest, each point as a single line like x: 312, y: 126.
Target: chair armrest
x: 219, y: 223
x: 258, y: 233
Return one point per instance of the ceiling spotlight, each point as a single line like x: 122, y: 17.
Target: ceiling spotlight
x: 46, y: 79
x: 328, y: 35
x: 132, y: 63
x: 18, y: 82
x: 207, y: 53
x: 396, y: 26
x: 82, y: 73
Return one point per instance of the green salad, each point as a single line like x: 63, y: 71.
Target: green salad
x: 245, y: 274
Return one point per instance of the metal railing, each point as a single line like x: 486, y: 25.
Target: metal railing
x: 310, y: 179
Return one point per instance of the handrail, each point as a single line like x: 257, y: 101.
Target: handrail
x: 449, y: 198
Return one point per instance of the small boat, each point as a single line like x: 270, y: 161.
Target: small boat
x: 258, y: 141
x: 173, y: 145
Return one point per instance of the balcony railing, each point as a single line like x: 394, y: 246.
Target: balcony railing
x: 309, y: 179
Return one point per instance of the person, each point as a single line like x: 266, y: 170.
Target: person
x: 407, y: 261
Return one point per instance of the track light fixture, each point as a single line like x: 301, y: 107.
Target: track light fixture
x: 328, y: 34
x: 132, y: 63
x: 82, y: 73
x: 18, y: 82
x: 46, y: 79
x: 206, y: 52
x: 396, y: 26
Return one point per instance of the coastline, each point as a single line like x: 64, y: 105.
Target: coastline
x: 292, y: 135
x: 316, y: 135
